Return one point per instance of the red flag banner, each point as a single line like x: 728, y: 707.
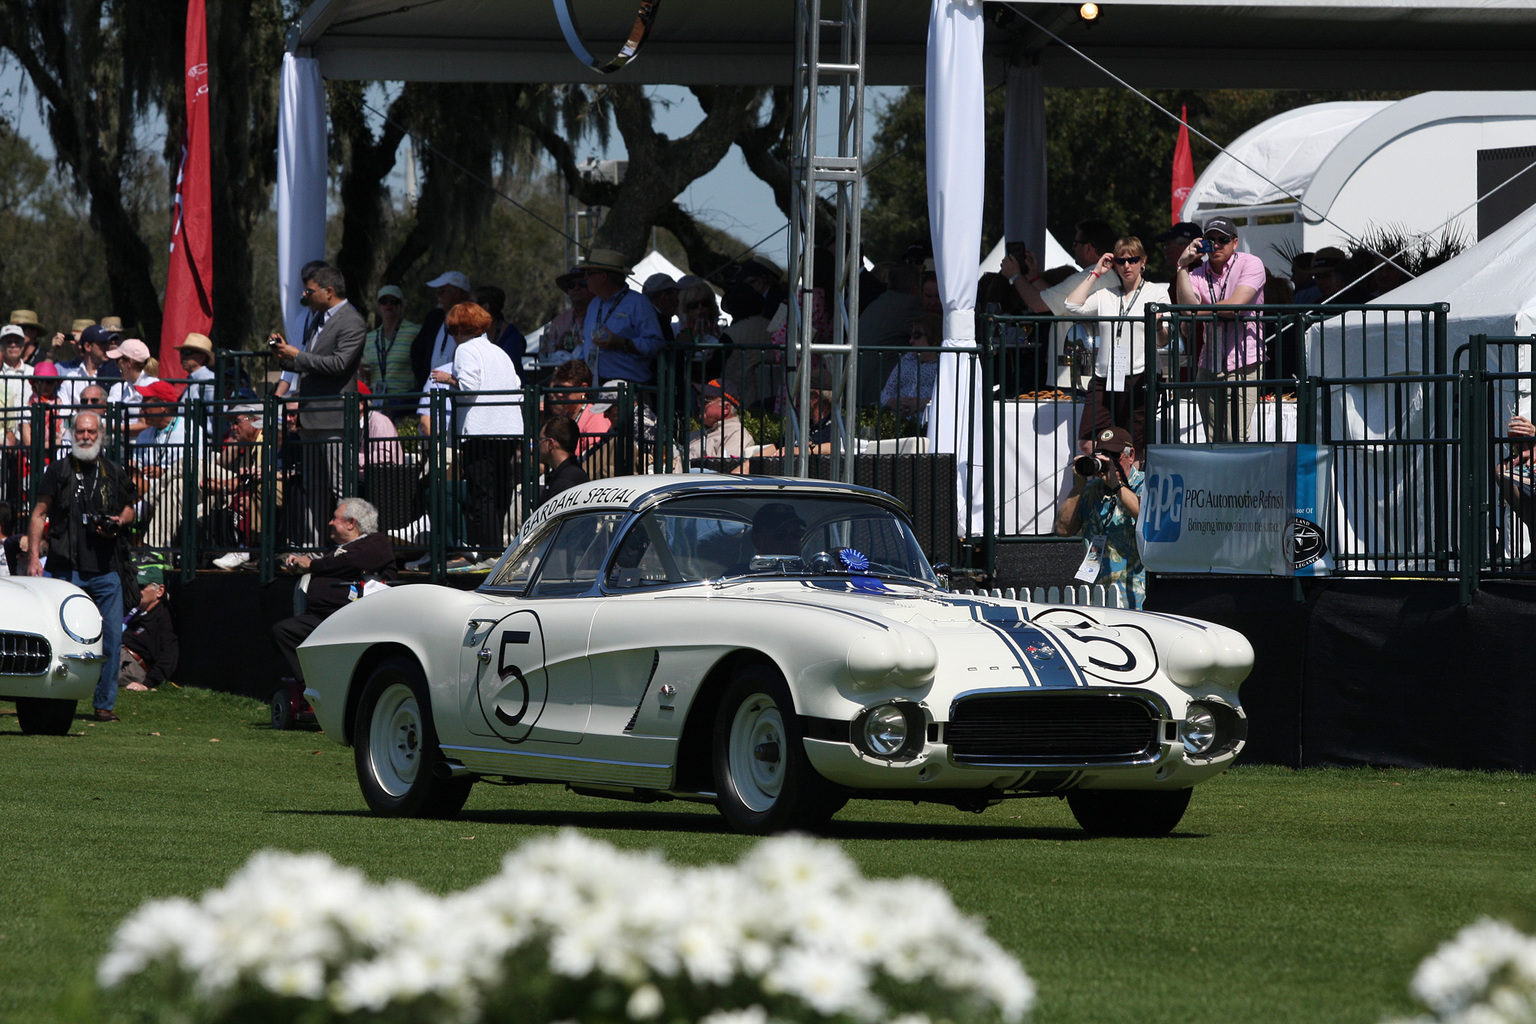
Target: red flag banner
x: 1183, y: 166
x: 189, y: 286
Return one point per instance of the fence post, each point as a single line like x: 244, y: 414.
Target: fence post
x: 1474, y: 471
x: 988, y: 455
x: 193, y: 433
x: 272, y: 432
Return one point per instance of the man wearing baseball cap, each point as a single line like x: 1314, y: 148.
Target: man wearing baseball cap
x: 150, y: 649
x: 94, y: 365
x: 433, y: 346
x: 1102, y: 506
x: 1213, y: 273
x: 621, y: 335
x: 723, y: 436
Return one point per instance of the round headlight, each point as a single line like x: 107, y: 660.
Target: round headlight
x: 1198, y: 730
x: 80, y: 619
x: 889, y: 731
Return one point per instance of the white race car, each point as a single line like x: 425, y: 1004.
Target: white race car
x: 774, y: 647
x: 50, y: 650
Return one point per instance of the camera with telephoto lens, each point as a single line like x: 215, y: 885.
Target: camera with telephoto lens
x: 1100, y: 463
x: 97, y: 522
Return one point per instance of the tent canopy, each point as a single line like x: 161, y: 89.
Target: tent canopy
x: 1380, y: 44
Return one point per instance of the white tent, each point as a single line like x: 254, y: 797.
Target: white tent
x: 1491, y: 289
x: 1323, y: 174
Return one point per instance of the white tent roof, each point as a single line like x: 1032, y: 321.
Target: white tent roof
x: 1275, y: 160
x: 1491, y: 289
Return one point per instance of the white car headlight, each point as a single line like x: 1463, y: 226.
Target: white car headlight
x: 80, y: 619
x: 1198, y: 730
x: 891, y: 731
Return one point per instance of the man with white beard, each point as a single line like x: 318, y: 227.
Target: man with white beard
x: 84, y: 501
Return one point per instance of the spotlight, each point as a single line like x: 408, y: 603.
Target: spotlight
x: 1088, y: 12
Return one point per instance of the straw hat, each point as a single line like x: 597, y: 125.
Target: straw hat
x: 201, y: 342
x: 606, y: 259
x: 25, y: 318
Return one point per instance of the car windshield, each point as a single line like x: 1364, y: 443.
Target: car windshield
x: 716, y: 536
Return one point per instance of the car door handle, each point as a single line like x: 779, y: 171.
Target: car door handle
x: 484, y: 655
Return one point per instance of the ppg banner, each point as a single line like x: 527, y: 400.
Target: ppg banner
x: 1242, y: 508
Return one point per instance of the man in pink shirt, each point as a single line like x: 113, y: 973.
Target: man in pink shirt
x: 1231, y: 349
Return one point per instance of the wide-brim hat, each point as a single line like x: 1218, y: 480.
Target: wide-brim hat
x: 606, y: 259
x: 570, y: 277
x: 80, y: 325
x: 112, y: 323
x: 200, y: 342
x: 25, y: 318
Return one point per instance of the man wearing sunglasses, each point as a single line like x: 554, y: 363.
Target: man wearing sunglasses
x: 1230, y: 349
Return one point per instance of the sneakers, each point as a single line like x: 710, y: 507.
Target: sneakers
x: 421, y: 564
x: 465, y: 565
x: 233, y: 560
x: 104, y: 715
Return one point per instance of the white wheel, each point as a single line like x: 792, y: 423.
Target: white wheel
x: 394, y: 740
x: 757, y: 747
x: 395, y: 747
x: 763, y: 780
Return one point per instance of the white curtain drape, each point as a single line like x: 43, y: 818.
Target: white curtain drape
x: 1024, y: 159
x: 301, y: 183
x: 956, y: 178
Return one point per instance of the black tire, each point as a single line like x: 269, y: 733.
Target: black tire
x: 1128, y: 812
x: 764, y: 781
x: 45, y: 716
x: 282, y: 710
x: 394, y: 745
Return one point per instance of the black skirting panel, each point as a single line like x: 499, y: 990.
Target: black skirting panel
x: 1378, y: 672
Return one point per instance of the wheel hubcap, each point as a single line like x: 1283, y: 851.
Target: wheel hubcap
x: 757, y: 752
x: 394, y: 739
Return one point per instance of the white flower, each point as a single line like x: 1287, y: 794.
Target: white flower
x: 829, y: 985
x: 645, y: 1003
x: 750, y: 1015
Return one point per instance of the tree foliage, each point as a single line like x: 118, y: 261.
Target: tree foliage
x: 1109, y: 155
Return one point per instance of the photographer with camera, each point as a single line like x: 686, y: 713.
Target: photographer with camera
x: 1102, y: 506
x: 85, y: 501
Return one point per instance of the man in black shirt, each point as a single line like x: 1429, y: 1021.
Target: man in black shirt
x: 557, y: 443
x: 335, y: 580
x: 84, y: 501
x: 149, y: 636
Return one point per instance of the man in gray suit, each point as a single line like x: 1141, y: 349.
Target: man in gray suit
x: 327, y: 368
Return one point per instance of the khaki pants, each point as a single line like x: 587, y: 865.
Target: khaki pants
x: 1227, y: 412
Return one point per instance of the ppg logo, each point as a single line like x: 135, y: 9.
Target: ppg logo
x: 1162, y: 510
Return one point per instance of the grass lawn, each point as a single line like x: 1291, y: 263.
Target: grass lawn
x: 1284, y: 896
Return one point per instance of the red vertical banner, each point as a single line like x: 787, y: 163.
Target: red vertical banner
x: 1183, y: 166
x: 189, y: 285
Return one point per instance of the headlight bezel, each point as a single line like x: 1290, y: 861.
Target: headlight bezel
x: 64, y: 606
x: 1228, y: 728
x: 912, y: 719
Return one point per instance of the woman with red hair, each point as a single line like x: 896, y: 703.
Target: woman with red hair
x: 488, y: 421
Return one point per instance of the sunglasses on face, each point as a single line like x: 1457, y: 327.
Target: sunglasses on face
x: 389, y: 300
x: 1218, y: 240
x: 1128, y: 261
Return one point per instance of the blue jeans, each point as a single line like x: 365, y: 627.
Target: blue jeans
x: 106, y: 591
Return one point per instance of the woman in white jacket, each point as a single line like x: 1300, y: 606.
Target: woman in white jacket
x: 1117, y: 397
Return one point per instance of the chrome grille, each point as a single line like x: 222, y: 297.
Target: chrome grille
x: 24, y: 654
x: 1052, y: 728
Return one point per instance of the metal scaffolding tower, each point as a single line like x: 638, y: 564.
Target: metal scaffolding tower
x: 840, y: 164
